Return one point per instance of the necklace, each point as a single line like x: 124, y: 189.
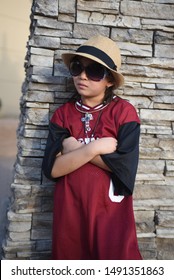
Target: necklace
x: 87, y: 128
x: 88, y: 117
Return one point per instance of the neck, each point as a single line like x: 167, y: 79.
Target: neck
x: 91, y: 102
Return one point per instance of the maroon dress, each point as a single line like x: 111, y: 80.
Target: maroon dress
x: 93, y: 212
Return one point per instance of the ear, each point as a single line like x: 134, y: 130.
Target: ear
x: 109, y: 84
x: 110, y: 81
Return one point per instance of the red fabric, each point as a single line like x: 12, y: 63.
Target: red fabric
x: 86, y: 223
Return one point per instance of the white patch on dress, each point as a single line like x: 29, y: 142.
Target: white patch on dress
x: 114, y: 198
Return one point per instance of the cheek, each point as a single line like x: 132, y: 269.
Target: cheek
x: 102, y: 85
x: 75, y: 80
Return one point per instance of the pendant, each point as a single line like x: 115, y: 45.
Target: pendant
x: 88, y: 140
x: 86, y: 119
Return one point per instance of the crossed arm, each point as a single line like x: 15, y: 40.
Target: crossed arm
x: 75, y: 154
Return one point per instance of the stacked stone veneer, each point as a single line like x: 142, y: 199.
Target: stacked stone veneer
x: 144, y: 33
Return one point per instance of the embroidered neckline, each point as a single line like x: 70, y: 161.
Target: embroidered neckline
x: 85, y: 108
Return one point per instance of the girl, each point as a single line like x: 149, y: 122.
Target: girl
x: 92, y: 152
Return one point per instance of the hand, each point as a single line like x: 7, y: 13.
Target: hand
x: 105, y: 145
x: 70, y: 144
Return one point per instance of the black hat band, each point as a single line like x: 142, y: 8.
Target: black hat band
x: 98, y: 54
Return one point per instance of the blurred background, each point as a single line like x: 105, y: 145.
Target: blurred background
x: 14, y: 32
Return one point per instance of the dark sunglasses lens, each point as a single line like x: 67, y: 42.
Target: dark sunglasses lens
x: 75, y: 68
x: 95, y: 72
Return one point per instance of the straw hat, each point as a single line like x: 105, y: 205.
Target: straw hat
x: 102, y: 50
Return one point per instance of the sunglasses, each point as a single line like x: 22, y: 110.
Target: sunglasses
x: 94, y: 71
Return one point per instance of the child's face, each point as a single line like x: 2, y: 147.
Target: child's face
x: 91, y: 91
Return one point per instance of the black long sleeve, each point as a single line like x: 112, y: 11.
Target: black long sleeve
x: 54, y: 145
x: 124, y: 161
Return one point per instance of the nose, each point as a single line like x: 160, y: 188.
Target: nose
x: 83, y: 75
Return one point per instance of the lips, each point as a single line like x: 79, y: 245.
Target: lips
x: 80, y: 85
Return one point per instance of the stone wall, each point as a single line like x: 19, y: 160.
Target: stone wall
x: 144, y: 32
